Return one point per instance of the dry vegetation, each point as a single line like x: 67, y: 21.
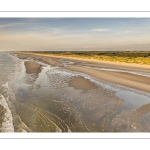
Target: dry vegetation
x: 137, y: 57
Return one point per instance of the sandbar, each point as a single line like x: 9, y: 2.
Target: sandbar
x: 32, y: 67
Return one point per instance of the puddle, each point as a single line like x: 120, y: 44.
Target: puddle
x: 132, y: 100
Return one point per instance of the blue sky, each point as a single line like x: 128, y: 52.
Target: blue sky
x: 77, y: 34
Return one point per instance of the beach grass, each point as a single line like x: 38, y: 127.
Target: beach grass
x: 136, y: 57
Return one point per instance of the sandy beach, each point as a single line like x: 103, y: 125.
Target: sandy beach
x: 79, y: 95
x: 121, y: 78
x: 125, y: 79
x: 95, y: 61
x: 32, y: 67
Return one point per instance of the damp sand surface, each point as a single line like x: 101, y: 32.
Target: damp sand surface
x: 82, y: 84
x: 125, y: 79
x: 51, y: 62
x: 73, y: 98
x: 130, y: 75
x: 32, y: 67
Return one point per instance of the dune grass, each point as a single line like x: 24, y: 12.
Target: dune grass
x: 137, y: 57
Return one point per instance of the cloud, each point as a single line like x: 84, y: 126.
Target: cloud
x: 10, y: 24
x: 49, y: 41
x: 56, y: 30
x: 38, y: 41
x: 100, y: 30
x: 20, y: 23
x: 127, y: 31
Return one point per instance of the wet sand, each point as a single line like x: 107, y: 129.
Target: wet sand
x: 22, y: 56
x: 94, y: 62
x: 81, y: 83
x: 101, y: 109
x: 51, y: 62
x: 32, y: 67
x: 125, y: 79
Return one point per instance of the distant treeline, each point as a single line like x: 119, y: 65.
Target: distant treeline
x: 132, y: 54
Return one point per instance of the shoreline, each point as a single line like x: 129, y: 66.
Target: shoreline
x: 87, y: 60
x: 7, y: 119
x: 96, y: 105
x: 126, y: 79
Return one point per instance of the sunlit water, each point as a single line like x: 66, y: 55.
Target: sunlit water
x: 43, y: 102
x: 133, y: 100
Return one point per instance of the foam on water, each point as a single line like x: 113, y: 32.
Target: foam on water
x: 9, y: 69
x: 7, y: 124
x: 68, y: 74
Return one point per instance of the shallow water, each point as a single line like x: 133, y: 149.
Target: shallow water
x: 133, y: 100
x: 44, y: 101
x: 37, y: 98
x: 9, y: 66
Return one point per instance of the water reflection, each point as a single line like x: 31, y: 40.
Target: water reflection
x: 51, y: 99
x: 133, y: 100
x: 39, y: 108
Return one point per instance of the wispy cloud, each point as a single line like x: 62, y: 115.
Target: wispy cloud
x: 7, y: 25
x: 17, y: 24
x: 125, y: 32
x: 128, y: 31
x: 56, y: 30
x: 100, y: 30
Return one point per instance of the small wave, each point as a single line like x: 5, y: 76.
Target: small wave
x: 6, y: 116
x: 7, y: 120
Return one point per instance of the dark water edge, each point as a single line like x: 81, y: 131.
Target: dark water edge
x: 8, y: 67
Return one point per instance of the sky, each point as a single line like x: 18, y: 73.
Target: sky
x: 74, y: 34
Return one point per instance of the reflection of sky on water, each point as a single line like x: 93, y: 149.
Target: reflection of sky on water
x: 92, y: 106
x: 133, y: 100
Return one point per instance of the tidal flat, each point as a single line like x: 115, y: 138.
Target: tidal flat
x: 56, y: 94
